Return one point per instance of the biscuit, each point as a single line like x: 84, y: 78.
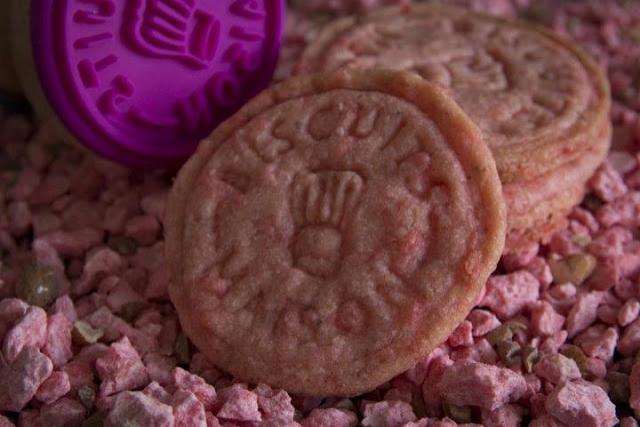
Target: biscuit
x: 540, y: 101
x: 334, y: 231
x: 534, y: 95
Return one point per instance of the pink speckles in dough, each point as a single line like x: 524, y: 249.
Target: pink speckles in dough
x: 343, y: 264
x: 541, y: 103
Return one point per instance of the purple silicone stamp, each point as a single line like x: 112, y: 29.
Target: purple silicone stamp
x: 143, y: 81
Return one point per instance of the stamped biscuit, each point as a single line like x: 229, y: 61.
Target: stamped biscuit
x: 537, y: 98
x: 334, y: 231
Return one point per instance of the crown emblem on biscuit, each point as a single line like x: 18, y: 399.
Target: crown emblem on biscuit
x: 174, y: 29
x: 321, y: 204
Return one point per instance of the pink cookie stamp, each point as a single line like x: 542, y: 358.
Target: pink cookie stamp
x: 141, y: 82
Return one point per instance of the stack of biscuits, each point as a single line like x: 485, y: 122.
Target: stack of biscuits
x: 341, y: 225
x: 542, y: 104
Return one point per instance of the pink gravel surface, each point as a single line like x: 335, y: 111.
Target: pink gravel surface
x: 90, y: 337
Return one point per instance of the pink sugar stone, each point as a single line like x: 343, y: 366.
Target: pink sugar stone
x: 155, y: 390
x: 508, y: 294
x: 144, y: 229
x: 626, y: 289
x: 118, y: 213
x: 398, y: 394
x: 598, y: 341
x: 505, y: 416
x: 607, y: 274
x: 634, y: 388
x: 431, y: 386
x: 621, y: 161
x: 49, y: 189
x: 629, y: 312
x: 81, y: 368
x: 580, y: 403
x: 136, y: 408
x: 121, y: 295
x: 418, y: 373
x: 629, y: 342
x: 628, y: 422
x: 81, y: 214
x: 206, y: 393
x: 330, y: 417
x: 554, y: 342
x: 557, y: 368
x: 391, y: 414
x: 596, y: 367
x: 624, y: 211
x: 562, y: 243
x: 536, y: 404
x: 149, y: 258
x: 481, y: 351
x: 120, y: 368
x: 61, y: 203
x: 112, y: 326
x: 150, y: 316
x: 73, y: 244
x: 158, y: 286
x: 86, y: 180
x: 607, y: 183
x: 20, y: 218
x: 29, y: 331
x: 462, y: 335
x: 545, y: 320
x: 65, y: 412
x: 58, y: 340
x: 212, y: 421
x: 159, y: 367
x: 477, y: 384
x: 115, y: 327
x: 64, y: 305
x: 583, y: 313
x: 483, y: 322
x: 541, y: 270
x: 44, y: 221
x: 610, y: 242
x: 188, y: 410
x: 20, y: 379
x: 275, y: 405
x: 586, y: 218
x: 4, y: 422
x: 534, y: 385
x: 546, y: 421
x: 54, y: 387
x: 11, y: 310
x: 26, y: 183
x: 154, y: 204
x: 563, y: 291
x: 98, y: 264
x: 521, y: 258
x: 239, y: 404
x: 608, y: 314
